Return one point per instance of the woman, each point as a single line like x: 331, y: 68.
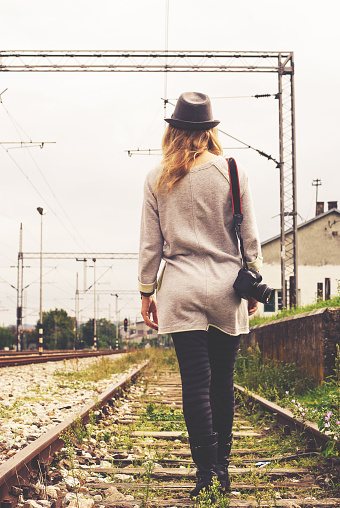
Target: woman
x: 187, y: 220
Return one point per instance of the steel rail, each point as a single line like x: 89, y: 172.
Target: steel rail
x: 16, y: 470
x: 11, y: 352
x: 285, y: 417
x: 26, y: 359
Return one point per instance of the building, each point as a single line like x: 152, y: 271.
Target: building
x: 143, y: 331
x: 318, y: 248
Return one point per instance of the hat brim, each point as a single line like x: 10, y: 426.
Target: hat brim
x: 192, y: 126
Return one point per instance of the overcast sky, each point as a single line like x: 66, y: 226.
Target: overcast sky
x: 90, y: 187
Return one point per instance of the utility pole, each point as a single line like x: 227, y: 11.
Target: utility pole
x: 316, y: 183
x: 117, y: 330
x: 41, y: 338
x: 95, y: 307
x: 108, y: 329
x: 76, y: 307
x: 20, y: 292
x: 85, y: 265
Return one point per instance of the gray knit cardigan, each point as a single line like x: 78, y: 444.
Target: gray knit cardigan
x: 191, y: 229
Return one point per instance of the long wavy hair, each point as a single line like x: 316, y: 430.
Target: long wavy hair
x: 180, y: 149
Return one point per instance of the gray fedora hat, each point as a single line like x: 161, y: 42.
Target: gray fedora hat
x: 193, y: 112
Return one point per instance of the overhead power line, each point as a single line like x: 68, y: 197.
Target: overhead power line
x: 26, y: 144
x: 260, y: 152
x: 157, y: 151
x: 256, y: 96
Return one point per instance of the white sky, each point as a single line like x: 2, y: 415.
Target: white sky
x: 95, y: 117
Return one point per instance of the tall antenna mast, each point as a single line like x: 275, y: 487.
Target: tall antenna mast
x: 316, y: 183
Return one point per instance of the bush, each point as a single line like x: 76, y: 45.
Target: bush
x: 7, y: 337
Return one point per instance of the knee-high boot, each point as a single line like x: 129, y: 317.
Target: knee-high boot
x: 224, y: 446
x: 204, y: 454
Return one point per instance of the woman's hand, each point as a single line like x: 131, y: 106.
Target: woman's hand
x: 252, y: 306
x: 149, y: 309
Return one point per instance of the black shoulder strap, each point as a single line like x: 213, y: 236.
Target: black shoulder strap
x: 235, y: 187
x: 236, y: 201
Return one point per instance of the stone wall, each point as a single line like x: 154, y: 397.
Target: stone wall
x: 307, y: 340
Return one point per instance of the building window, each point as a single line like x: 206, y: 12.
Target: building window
x: 270, y: 306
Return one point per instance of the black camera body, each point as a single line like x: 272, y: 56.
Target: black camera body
x: 247, y: 285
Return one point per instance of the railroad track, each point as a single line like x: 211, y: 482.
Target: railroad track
x: 11, y: 359
x: 136, y: 454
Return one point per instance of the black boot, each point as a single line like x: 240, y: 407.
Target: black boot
x: 224, y: 446
x: 204, y: 454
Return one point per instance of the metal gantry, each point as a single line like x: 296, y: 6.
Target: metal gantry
x: 281, y: 63
x: 140, y: 61
x: 288, y: 208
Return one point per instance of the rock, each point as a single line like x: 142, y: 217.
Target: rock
x: 30, y: 503
x: 16, y: 491
x: 81, y: 502
x: 97, y: 497
x: 113, y: 495
x: 87, y: 455
x: 70, y: 496
x: 71, y: 482
x: 51, y: 492
x: 37, y: 489
x: 123, y: 476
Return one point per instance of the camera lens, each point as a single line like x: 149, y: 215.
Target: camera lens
x: 263, y: 293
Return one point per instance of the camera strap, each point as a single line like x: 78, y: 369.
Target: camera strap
x: 236, y: 202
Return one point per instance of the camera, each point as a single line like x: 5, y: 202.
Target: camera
x: 247, y: 285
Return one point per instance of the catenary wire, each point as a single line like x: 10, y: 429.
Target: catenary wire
x: 15, y: 123
x: 42, y: 198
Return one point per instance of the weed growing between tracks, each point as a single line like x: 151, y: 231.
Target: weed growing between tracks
x: 322, y: 406
x: 104, y: 367
x: 164, y: 417
x: 278, y: 445
x: 284, y: 384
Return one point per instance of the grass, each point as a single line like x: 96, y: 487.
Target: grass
x: 333, y: 302
x: 163, y: 416
x: 268, y: 378
x: 284, y: 384
x: 104, y: 367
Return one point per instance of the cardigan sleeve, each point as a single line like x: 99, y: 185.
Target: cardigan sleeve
x: 249, y: 232
x: 151, y: 241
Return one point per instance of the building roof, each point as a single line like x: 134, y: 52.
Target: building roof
x: 303, y: 224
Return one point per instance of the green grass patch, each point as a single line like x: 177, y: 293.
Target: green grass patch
x: 333, y: 302
x: 162, y: 417
x: 268, y: 378
x: 106, y: 366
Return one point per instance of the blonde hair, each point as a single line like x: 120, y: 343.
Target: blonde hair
x: 180, y: 149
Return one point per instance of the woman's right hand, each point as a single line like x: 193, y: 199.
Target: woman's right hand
x: 252, y: 306
x: 149, y: 311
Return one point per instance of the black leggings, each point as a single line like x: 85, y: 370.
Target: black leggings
x: 206, y: 361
